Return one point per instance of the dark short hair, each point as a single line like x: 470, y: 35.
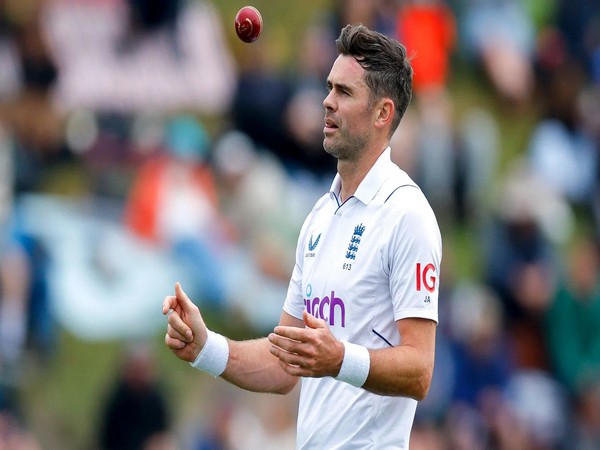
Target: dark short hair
x: 388, y: 69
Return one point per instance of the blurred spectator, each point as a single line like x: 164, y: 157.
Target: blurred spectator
x: 584, y: 433
x: 566, y: 159
x: 476, y: 164
x: 26, y: 109
x: 491, y: 408
x: 255, y: 191
x: 304, y: 113
x: 41, y: 334
x: 465, y: 428
x: 589, y: 110
x: 270, y: 424
x: 38, y: 69
x: 282, y: 113
x: 528, y: 413
x: 13, y: 436
x: 260, y: 96
x: 438, y: 149
x: 377, y: 15
x: 454, y: 166
x: 454, y: 158
x: 242, y: 421
x: 499, y: 35
x: 26, y: 322
x: 134, y: 415
x: 260, y: 201
x: 578, y: 22
x: 425, y: 436
x: 104, y: 146
x: 10, y: 76
x: 186, y: 146
x: 15, y: 277
x: 152, y: 17
x: 129, y: 56
x: 427, y: 30
x: 481, y: 347
x: 7, y: 177
x: 215, y: 434
x: 538, y: 407
x: 25, y: 319
x: 174, y: 203
x: 572, y: 320
x: 14, y: 432
x: 521, y: 262
x: 562, y: 150
x: 26, y: 64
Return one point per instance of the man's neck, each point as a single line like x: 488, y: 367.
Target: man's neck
x: 353, y: 172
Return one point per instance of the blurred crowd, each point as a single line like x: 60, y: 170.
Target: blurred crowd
x: 137, y: 148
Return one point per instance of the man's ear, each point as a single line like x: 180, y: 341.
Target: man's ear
x: 385, y: 113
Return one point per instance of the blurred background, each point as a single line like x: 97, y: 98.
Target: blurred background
x: 141, y: 143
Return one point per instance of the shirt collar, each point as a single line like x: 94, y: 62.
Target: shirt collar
x: 372, y: 182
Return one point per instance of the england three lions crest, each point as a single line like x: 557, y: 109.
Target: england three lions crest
x: 355, y: 242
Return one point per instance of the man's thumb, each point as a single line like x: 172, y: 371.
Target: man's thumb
x: 312, y: 322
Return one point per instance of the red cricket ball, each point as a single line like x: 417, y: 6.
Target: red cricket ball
x: 248, y: 24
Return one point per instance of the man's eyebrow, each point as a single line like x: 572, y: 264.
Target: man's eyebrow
x: 342, y: 86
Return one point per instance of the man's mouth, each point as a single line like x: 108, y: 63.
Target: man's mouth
x: 330, y: 126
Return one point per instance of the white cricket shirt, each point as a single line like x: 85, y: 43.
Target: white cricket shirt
x: 361, y: 266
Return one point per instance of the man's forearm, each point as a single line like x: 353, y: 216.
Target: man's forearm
x: 251, y: 366
x: 399, y: 371
x: 405, y: 370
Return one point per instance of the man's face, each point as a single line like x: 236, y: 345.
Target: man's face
x: 348, y: 113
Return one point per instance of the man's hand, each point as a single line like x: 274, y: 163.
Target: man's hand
x: 186, y: 331
x: 307, y: 352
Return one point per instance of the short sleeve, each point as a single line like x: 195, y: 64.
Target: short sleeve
x: 413, y: 259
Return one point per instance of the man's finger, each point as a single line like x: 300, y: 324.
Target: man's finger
x: 172, y: 343
x: 169, y: 304
x: 296, y: 371
x: 286, y: 357
x: 284, y: 343
x: 175, y: 321
x: 294, y: 333
x: 177, y: 335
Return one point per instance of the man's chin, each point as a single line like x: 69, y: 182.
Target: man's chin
x: 331, y: 149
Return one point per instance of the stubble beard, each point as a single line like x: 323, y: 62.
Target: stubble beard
x: 345, y: 148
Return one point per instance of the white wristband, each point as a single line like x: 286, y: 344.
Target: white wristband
x: 214, y: 355
x: 355, y: 365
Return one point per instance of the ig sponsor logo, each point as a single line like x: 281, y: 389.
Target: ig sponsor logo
x: 425, y: 277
